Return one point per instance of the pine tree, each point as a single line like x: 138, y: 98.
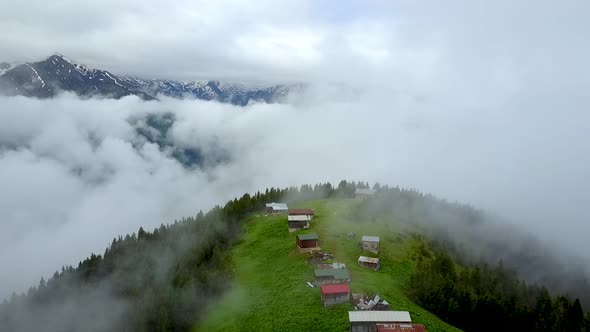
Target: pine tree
x: 141, y: 234
x: 544, y: 312
x: 575, y: 317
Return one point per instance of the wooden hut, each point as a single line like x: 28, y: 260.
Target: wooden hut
x: 369, y: 262
x: 308, y: 243
x: 335, y: 294
x: 296, y: 225
x: 302, y: 214
x: 331, y: 276
x: 370, y: 243
x: 366, y: 321
x: 276, y: 208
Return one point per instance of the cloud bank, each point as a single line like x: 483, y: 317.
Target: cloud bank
x: 73, y: 176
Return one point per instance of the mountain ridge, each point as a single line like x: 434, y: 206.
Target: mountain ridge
x: 237, y: 268
x: 45, y: 79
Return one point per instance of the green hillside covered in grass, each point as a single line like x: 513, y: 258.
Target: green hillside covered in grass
x: 269, y: 291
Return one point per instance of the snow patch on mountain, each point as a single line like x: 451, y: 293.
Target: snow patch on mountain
x: 5, y: 66
x: 38, y: 77
x: 111, y: 77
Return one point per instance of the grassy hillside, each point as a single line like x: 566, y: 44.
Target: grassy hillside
x: 270, y: 292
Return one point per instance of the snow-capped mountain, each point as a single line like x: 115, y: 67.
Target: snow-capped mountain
x: 57, y: 73
x: 5, y: 66
x: 235, y: 93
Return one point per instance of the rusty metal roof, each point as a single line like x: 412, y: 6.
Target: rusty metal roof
x: 400, y: 328
x: 335, y: 289
x: 366, y: 259
x: 295, y: 212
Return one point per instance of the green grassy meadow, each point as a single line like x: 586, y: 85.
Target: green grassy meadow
x: 269, y: 292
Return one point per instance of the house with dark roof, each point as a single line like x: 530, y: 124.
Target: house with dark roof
x: 335, y: 294
x: 331, y: 276
x: 308, y: 243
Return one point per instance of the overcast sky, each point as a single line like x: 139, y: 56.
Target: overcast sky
x: 481, y: 102
x: 393, y: 40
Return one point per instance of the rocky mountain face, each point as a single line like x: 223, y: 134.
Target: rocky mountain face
x: 57, y: 73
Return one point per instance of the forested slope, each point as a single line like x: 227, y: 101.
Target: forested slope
x: 235, y: 269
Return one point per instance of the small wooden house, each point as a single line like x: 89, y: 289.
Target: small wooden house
x: 369, y: 262
x: 367, y: 321
x: 276, y: 208
x: 401, y: 327
x: 331, y: 276
x: 308, y: 243
x: 295, y: 225
x: 335, y: 294
x: 301, y: 214
x: 370, y: 243
x: 299, y: 219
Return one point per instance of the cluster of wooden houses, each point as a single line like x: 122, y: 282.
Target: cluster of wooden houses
x: 334, y: 278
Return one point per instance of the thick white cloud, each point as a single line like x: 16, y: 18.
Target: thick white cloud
x: 75, y: 180
x: 482, y: 102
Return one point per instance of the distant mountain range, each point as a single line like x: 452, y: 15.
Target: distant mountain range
x: 45, y: 79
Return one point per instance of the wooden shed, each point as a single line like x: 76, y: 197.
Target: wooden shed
x: 276, y: 207
x: 369, y: 262
x: 295, y: 225
x: 335, y: 294
x: 308, y: 243
x: 370, y: 243
x: 367, y: 321
x: 331, y: 276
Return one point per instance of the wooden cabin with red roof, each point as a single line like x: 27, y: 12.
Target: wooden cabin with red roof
x: 335, y: 294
